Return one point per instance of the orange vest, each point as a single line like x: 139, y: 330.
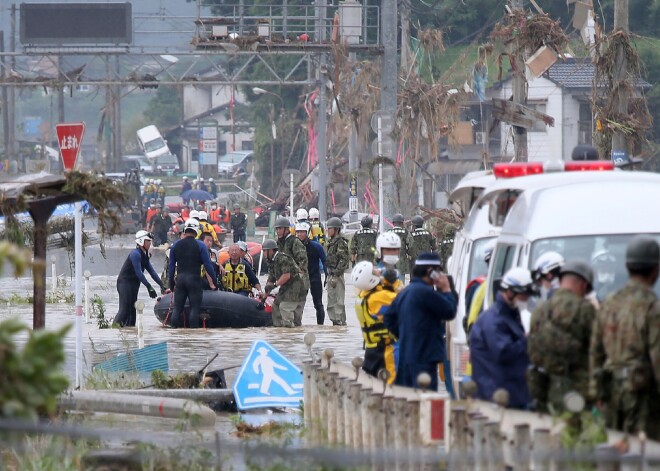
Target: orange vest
x: 150, y: 214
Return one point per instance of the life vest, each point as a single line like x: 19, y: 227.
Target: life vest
x: 206, y: 227
x: 150, y: 214
x: 235, y: 279
x: 213, y: 255
x: 373, y: 328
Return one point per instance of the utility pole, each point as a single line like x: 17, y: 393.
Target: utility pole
x: 389, y: 74
x: 352, y: 152
x: 621, y: 91
x: 10, y: 149
x: 5, y: 111
x: 519, y: 93
x: 321, y: 145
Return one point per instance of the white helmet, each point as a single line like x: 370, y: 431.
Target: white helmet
x: 194, y: 214
x: 142, y: 236
x: 314, y: 213
x: 546, y: 263
x: 185, y: 179
x: 387, y: 240
x: 192, y: 224
x: 518, y: 280
x: 301, y: 214
x: 211, y: 179
x: 301, y: 226
x: 159, y: 182
x: 363, y: 277
x: 201, y: 179
x: 202, y: 215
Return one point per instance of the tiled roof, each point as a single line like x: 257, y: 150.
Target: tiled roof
x: 577, y: 73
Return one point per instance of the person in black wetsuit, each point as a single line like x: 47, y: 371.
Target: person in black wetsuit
x: 130, y: 277
x: 187, y: 256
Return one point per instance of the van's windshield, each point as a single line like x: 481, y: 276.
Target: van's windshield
x: 154, y: 145
x: 606, y: 253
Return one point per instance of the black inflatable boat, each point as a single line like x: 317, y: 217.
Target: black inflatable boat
x: 221, y: 309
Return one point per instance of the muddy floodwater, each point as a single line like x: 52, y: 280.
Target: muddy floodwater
x: 189, y: 349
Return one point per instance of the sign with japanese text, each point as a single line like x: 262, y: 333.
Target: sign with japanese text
x: 69, y: 138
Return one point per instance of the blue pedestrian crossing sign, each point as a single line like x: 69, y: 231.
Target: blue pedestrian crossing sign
x: 267, y: 379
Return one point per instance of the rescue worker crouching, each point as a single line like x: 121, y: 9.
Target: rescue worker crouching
x: 238, y: 276
x: 374, y: 297
x: 131, y: 276
x: 337, y: 260
x: 284, y: 281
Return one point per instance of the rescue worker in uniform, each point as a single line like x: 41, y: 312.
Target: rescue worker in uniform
x: 185, y: 186
x: 422, y: 240
x: 624, y: 356
x: 213, y: 188
x: 316, y: 233
x: 202, y: 185
x: 294, y: 248
x: 187, y: 256
x: 160, y: 191
x: 130, y: 277
x: 238, y: 276
x: 160, y: 226
x: 315, y: 263
x: 498, y: 344
x: 406, y: 244
x: 337, y: 261
x: 417, y: 319
x: 558, y: 340
x: 475, y: 291
x: 546, y: 273
x: 238, y: 224
x: 301, y: 217
x: 205, y: 226
x: 363, y: 243
x: 284, y: 281
x: 375, y: 296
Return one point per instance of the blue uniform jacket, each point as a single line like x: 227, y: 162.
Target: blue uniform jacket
x: 315, y: 259
x: 415, y: 318
x: 498, y: 350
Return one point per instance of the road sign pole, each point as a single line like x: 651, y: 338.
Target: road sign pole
x: 381, y: 193
x: 69, y: 138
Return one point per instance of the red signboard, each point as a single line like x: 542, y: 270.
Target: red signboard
x: 69, y: 137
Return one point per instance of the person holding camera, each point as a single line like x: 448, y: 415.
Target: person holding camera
x: 131, y: 276
x: 417, y: 319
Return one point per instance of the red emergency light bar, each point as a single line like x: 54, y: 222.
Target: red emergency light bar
x: 582, y: 166
x: 517, y: 169
x: 521, y: 169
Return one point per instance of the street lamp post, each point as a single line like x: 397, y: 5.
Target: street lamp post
x: 262, y: 91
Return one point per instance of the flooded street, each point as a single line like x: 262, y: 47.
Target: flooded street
x: 189, y: 350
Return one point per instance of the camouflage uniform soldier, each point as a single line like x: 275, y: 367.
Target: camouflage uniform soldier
x: 406, y: 244
x: 559, y: 338
x: 363, y: 243
x: 422, y: 240
x: 294, y: 248
x: 282, y: 274
x: 625, y: 346
x: 337, y: 262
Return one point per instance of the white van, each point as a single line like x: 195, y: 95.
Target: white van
x: 152, y: 143
x: 587, y: 215
x: 484, y: 223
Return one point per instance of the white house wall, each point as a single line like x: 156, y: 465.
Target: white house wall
x: 545, y: 145
x: 196, y: 100
x: 570, y: 124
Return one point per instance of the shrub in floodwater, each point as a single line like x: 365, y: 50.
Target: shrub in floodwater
x: 98, y: 312
x: 161, y: 380
x: 46, y: 453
